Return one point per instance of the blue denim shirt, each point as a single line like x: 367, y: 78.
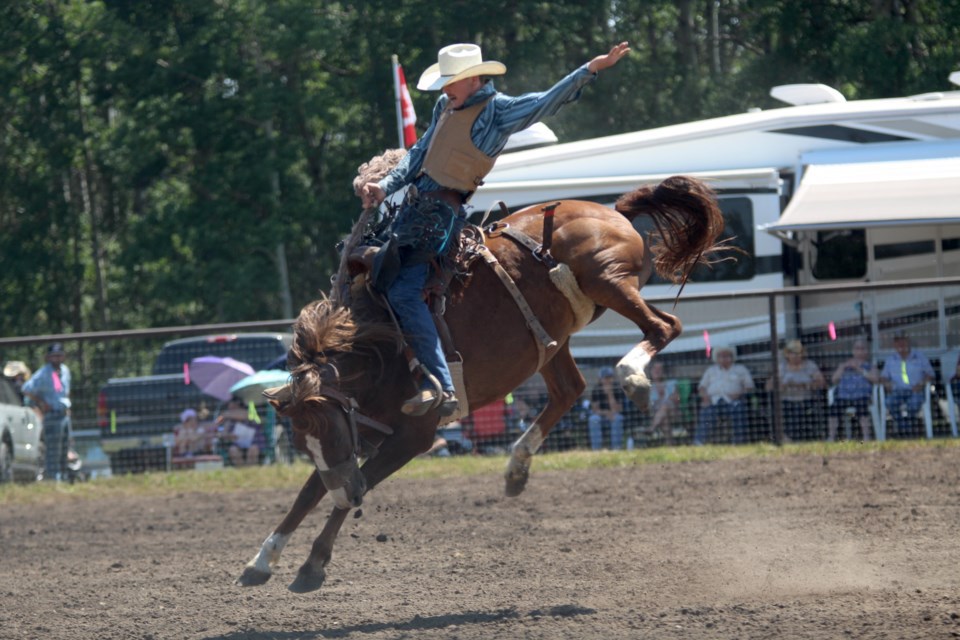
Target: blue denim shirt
x: 41, y: 384
x: 503, y: 116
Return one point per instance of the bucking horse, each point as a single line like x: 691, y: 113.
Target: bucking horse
x: 527, y: 285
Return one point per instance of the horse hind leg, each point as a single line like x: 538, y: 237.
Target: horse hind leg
x: 659, y: 328
x: 565, y: 383
x: 260, y: 569
x: 631, y: 367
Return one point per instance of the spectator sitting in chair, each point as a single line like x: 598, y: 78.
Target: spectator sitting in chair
x: 799, y: 378
x: 187, y: 434
x: 606, y: 411
x: 246, y: 439
x: 664, y: 402
x: 906, y: 374
x: 955, y: 382
x: 722, y: 389
x: 854, y: 379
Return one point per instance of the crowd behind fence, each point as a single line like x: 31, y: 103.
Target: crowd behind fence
x: 818, y: 327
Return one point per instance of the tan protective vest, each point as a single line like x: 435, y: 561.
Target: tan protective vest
x: 452, y: 159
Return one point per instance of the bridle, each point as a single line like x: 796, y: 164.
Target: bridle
x: 351, y: 409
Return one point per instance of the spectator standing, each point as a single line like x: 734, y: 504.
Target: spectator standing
x: 854, y: 379
x: 722, y: 390
x: 905, y: 375
x: 800, y: 377
x: 606, y: 411
x: 664, y: 401
x: 49, y: 389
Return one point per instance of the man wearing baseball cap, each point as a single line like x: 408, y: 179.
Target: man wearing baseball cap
x: 470, y: 127
x: 49, y: 389
x: 906, y: 372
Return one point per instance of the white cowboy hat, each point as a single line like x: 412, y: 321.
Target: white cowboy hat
x: 456, y: 62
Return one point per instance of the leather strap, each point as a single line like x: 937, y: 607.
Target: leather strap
x: 543, y: 339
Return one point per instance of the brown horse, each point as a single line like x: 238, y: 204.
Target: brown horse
x: 349, y: 377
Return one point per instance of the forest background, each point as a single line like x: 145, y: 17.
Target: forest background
x: 181, y: 162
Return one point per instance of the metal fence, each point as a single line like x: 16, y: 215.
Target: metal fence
x: 827, y: 320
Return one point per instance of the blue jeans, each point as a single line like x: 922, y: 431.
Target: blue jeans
x: 595, y: 425
x: 735, y: 412
x: 406, y: 298
x: 56, y: 434
x: 913, y: 401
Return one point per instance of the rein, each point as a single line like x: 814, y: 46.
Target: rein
x: 351, y: 409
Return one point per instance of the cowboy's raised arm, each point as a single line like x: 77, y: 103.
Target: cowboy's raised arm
x: 515, y: 114
x: 609, y: 59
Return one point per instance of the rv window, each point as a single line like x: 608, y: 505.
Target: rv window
x: 951, y: 244
x: 738, y: 215
x: 840, y: 254
x: 903, y: 249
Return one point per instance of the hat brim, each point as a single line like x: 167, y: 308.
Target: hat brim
x: 15, y: 368
x: 431, y: 80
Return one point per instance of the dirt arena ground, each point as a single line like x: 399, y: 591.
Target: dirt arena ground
x: 850, y: 546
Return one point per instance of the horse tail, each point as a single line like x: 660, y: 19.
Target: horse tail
x: 688, y: 221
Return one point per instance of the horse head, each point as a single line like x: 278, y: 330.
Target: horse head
x: 330, y: 364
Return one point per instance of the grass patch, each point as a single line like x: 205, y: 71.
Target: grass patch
x: 293, y: 476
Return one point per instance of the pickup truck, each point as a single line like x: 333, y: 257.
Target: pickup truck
x: 136, y: 416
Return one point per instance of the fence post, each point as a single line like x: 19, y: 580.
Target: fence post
x: 776, y: 411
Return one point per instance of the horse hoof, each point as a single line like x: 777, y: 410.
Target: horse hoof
x: 253, y: 577
x: 516, y: 478
x: 638, y: 391
x: 307, y: 580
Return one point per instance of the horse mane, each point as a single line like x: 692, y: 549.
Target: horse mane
x: 347, y: 337
x: 687, y: 220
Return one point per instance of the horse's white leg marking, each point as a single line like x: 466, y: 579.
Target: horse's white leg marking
x: 269, y: 553
x: 339, y: 495
x: 631, y: 367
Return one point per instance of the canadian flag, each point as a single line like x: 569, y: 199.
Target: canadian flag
x: 408, y: 116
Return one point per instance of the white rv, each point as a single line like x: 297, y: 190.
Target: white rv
x: 822, y: 191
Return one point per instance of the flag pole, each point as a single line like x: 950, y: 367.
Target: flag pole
x: 394, y: 61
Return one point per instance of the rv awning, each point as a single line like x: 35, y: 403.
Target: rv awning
x: 870, y: 194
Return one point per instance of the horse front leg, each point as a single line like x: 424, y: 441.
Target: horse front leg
x: 565, y: 383
x: 259, y: 570
x: 312, y: 573
x: 394, y: 453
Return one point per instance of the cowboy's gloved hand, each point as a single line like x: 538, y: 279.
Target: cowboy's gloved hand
x: 372, y: 195
x: 608, y: 60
